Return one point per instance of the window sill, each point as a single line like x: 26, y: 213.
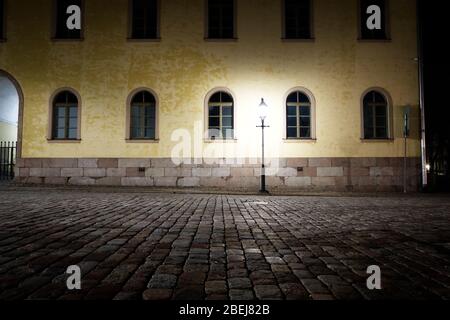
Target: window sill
x: 67, y: 40
x: 221, y: 39
x: 142, y: 140
x: 292, y: 140
x: 387, y: 40
x: 64, y: 141
x: 143, y: 40
x: 221, y: 141
x: 388, y: 140
x: 298, y: 40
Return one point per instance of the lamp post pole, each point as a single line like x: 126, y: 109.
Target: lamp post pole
x: 263, y: 110
x: 263, y: 166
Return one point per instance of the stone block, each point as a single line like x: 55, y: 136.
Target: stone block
x: 82, y: 181
x: 71, y: 172
x: 359, y: 172
x: 177, y: 172
x: 297, y: 162
x: 22, y: 172
x: 94, y: 172
x: 385, y: 181
x: 154, y: 172
x: 213, y: 182
x: 324, y: 181
x: 45, y: 172
x: 241, y: 172
x: 363, y: 162
x: 163, y: 163
x: 243, y: 182
x: 116, y: 172
x: 60, y: 163
x: 55, y: 181
x: 87, y: 163
x: 166, y: 182
x: 201, y: 172
x: 20, y: 163
x: 287, y: 172
x: 308, y: 172
x: 298, y: 182
x: 381, y: 171
x: 108, y: 163
x: 134, y: 163
x: 221, y: 172
x: 275, y: 182
x: 365, y: 181
x: 330, y: 172
x: 109, y: 181
x: 340, y: 162
x: 134, y: 172
x: 33, y: 163
x: 137, y: 182
x: 34, y: 180
x: 319, y: 162
x: 383, y: 162
x: 188, y: 182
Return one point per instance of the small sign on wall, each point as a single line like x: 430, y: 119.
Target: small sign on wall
x: 406, y: 120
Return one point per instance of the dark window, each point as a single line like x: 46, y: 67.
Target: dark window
x: 375, y: 116
x: 221, y: 19
x: 297, y: 19
x: 61, y: 29
x: 2, y: 19
x: 298, y: 116
x: 366, y: 32
x: 220, y: 116
x: 143, y: 116
x: 144, y: 19
x: 65, y: 116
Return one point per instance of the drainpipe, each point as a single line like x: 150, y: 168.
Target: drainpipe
x: 423, y: 146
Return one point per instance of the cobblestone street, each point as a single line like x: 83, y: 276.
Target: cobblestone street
x: 190, y: 246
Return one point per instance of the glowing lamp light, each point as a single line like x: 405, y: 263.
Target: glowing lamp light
x: 263, y: 110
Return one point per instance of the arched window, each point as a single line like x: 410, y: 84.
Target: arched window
x: 299, y: 116
x: 375, y: 116
x: 221, y: 116
x: 65, y: 116
x: 143, y: 116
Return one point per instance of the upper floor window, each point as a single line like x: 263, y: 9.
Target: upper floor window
x: 375, y: 116
x: 65, y: 116
x: 144, y: 19
x: 297, y: 19
x: 373, y: 19
x: 143, y: 116
x: 2, y: 20
x: 221, y: 116
x: 221, y: 19
x: 68, y: 20
x: 299, y: 115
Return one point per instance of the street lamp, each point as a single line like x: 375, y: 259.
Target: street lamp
x: 262, y: 113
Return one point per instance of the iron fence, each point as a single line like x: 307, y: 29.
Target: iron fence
x: 8, y: 151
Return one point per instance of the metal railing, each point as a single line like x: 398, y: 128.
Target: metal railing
x: 8, y: 151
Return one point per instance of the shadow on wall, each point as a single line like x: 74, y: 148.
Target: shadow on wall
x: 9, y: 110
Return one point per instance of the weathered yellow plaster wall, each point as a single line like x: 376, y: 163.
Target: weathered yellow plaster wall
x: 182, y: 68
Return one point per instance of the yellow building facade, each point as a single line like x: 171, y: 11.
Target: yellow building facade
x: 182, y: 70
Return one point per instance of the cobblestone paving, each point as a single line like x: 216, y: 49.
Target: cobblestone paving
x: 168, y: 246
